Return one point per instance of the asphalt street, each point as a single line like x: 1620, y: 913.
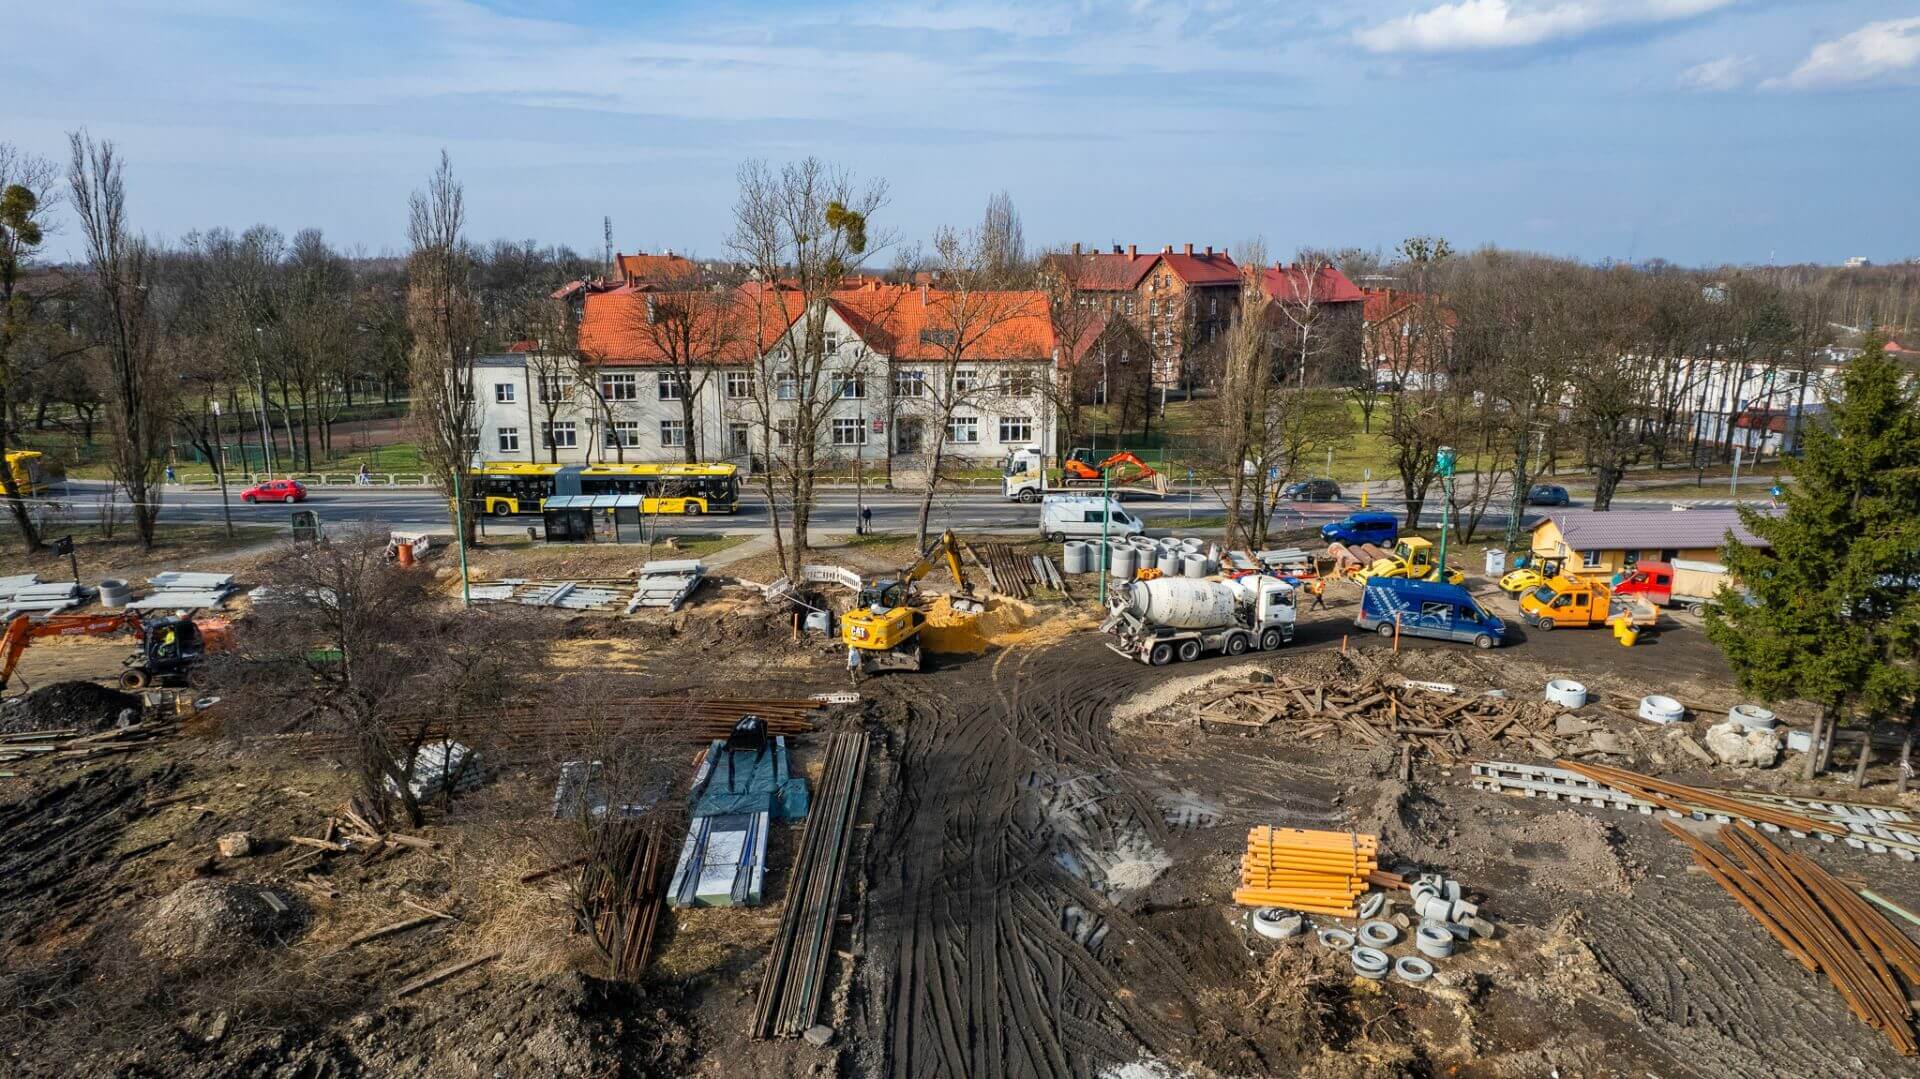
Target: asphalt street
x: 836, y: 510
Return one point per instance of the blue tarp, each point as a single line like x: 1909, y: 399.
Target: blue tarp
x: 739, y: 781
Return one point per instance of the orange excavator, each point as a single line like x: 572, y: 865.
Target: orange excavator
x: 171, y: 649
x: 1080, y: 466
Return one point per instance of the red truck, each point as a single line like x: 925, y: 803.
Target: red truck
x: 1679, y: 583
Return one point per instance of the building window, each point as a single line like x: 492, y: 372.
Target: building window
x: 555, y: 387
x: 562, y: 435
x: 672, y: 387
x: 1016, y: 429
x: 503, y: 393
x: 620, y: 387
x: 509, y: 439
x: 833, y: 341
x: 1130, y: 300
x: 850, y: 386
x: 965, y: 380
x: 673, y: 433
x: 783, y: 434
x: 909, y: 383
x: 623, y: 433
x: 1016, y: 383
x: 473, y: 443
x: 739, y: 384
x: 739, y: 438
x: 1590, y: 559
x: 963, y: 430
x: 786, y: 387
x: 849, y: 432
x: 943, y: 338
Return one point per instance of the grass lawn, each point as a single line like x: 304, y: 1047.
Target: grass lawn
x: 99, y: 556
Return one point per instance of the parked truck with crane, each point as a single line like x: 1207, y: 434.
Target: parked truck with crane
x: 1026, y: 478
x: 1168, y: 618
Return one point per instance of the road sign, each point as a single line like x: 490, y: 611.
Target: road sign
x: 879, y: 427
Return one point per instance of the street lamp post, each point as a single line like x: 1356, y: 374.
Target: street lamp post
x: 220, y: 468
x: 1443, y: 464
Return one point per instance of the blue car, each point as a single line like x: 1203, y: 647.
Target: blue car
x: 1428, y: 609
x: 1381, y: 529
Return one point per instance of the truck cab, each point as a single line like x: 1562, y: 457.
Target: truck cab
x: 1023, y: 478
x: 1380, y: 529
x: 1444, y: 612
x: 1652, y: 581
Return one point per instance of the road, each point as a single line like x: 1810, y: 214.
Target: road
x: 836, y: 510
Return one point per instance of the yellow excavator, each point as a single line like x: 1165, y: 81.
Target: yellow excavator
x: 883, y: 628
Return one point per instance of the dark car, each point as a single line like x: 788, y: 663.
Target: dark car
x: 275, y: 491
x: 1547, y: 494
x: 1312, y: 491
x: 1380, y: 529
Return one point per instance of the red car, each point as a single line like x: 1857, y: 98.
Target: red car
x: 275, y: 491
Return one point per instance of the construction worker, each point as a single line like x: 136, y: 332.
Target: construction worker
x: 853, y: 665
x: 1318, y: 586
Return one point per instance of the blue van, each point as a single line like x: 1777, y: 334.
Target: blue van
x: 1381, y: 529
x: 1428, y: 609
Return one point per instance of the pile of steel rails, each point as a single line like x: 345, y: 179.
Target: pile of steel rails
x: 1010, y: 574
x: 621, y: 892
x: 682, y: 719
x: 1821, y: 923
x: 1876, y: 829
x: 795, y: 985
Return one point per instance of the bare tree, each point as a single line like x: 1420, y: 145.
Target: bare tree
x: 800, y: 231
x: 139, y: 388
x: 1421, y: 414
x: 27, y: 197
x: 554, y: 364
x: 351, y: 646
x: 968, y: 322
x: 444, y: 320
x: 1245, y: 389
x: 693, y: 325
x: 1003, y: 242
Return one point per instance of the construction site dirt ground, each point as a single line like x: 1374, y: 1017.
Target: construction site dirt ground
x: 1041, y: 886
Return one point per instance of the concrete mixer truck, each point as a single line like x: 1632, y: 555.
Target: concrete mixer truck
x: 1169, y: 618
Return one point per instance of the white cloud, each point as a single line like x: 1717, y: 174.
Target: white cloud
x: 1479, y: 25
x: 1726, y: 73
x: 1871, y: 52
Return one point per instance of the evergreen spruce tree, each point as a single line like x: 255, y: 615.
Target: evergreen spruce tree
x: 1836, y: 612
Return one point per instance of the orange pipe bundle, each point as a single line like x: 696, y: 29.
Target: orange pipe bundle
x: 1316, y: 872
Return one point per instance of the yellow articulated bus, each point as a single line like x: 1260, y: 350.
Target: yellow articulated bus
x: 29, y: 472
x: 508, y: 488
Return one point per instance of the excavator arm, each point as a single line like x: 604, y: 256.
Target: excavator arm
x: 23, y: 630
x: 1127, y: 457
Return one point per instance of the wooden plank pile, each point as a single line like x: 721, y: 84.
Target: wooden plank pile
x: 69, y: 744
x: 1316, y: 872
x: 1446, y: 727
x: 1822, y: 924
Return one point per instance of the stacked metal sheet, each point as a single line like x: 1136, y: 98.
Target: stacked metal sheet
x: 185, y: 591
x: 723, y: 862
x: 667, y: 584
x: 20, y: 595
x: 568, y: 595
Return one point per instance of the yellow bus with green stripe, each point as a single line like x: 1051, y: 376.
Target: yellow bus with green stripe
x: 510, y: 488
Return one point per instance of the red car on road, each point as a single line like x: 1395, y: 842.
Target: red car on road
x: 275, y: 491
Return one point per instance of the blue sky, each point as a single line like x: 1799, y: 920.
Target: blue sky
x: 1702, y: 131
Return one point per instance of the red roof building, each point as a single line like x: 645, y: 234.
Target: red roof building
x: 1181, y: 300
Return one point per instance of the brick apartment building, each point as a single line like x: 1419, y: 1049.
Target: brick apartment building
x: 1182, y: 301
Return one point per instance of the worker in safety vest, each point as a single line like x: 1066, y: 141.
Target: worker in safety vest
x: 1318, y: 586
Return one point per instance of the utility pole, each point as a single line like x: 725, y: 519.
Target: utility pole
x: 1106, y: 481
x: 1443, y: 464
x: 859, y: 473
x: 220, y: 467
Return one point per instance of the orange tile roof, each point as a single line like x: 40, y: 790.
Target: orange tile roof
x: 642, y: 268
x: 613, y: 324
x: 899, y: 320
x: 1288, y: 284
x: 1386, y: 303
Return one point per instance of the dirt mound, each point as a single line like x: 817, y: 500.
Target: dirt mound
x: 214, y: 921
x: 1589, y: 853
x: 88, y: 706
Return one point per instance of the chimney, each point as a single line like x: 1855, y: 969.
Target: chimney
x: 923, y: 295
x: 1076, y: 249
x: 650, y: 311
x: 1116, y: 249
x: 1209, y: 250
x: 1189, y: 250
x: 1133, y: 250
x: 1168, y: 250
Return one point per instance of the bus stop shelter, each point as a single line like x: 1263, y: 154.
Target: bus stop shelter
x: 592, y: 518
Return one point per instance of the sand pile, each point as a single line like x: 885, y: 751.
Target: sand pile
x: 1007, y: 623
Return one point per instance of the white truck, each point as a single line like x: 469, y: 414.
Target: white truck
x: 1169, y: 618
x: 1025, y: 477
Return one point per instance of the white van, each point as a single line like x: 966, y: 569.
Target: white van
x: 1084, y: 517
